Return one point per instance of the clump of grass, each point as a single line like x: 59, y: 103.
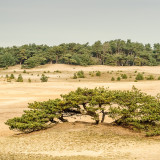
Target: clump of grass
x: 139, y: 76
x: 135, y: 72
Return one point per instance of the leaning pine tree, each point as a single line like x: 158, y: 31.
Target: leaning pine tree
x: 132, y: 109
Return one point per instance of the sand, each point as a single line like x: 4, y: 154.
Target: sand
x: 62, y: 140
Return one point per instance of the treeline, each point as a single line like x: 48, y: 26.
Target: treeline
x: 115, y: 52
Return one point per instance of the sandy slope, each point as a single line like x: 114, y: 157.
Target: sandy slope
x: 15, y: 96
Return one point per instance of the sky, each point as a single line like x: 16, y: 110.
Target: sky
x: 53, y: 22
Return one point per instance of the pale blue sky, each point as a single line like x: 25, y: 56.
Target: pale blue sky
x: 53, y: 22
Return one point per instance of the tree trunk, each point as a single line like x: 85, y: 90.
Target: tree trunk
x: 62, y: 119
x: 103, y: 116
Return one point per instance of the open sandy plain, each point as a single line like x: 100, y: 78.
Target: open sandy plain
x: 72, y: 140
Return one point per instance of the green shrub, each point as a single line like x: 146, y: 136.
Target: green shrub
x: 12, y: 76
x: 29, y: 80
x: 159, y: 78
x: 57, y: 71
x: 139, y: 76
x: 98, y: 73
x: 44, y: 78
x: 20, y: 78
x: 80, y: 74
x: 7, y: 76
x: 124, y: 76
x: 118, y: 78
x: 24, y: 71
x: 75, y: 76
x: 150, y: 77
x: 112, y: 79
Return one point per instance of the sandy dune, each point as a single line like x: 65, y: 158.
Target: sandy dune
x: 15, y: 96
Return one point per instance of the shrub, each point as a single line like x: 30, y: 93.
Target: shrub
x: 91, y: 74
x: 75, y: 76
x: 44, y: 78
x: 29, y: 80
x: 20, y: 78
x: 150, y: 77
x: 139, y: 76
x: 112, y: 79
x: 8, y: 79
x: 159, y: 78
x: 57, y: 71
x: 12, y: 76
x: 80, y: 74
x: 124, y: 76
x: 24, y: 71
x: 118, y: 78
x: 98, y: 73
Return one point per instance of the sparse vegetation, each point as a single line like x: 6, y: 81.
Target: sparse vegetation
x: 29, y: 80
x: 20, y: 78
x: 118, y: 78
x: 80, y: 74
x: 75, y: 76
x: 44, y: 78
x: 12, y: 76
x: 139, y: 76
x: 98, y: 73
x: 57, y: 71
x: 124, y: 76
x: 150, y: 77
x: 112, y: 79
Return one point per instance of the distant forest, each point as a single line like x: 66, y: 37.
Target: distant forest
x: 115, y: 53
